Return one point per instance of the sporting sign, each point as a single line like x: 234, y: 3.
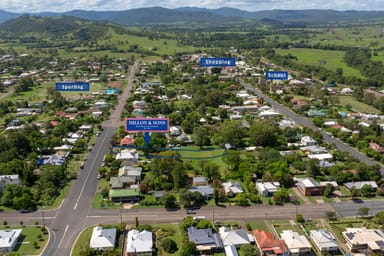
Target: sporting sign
x: 276, y: 75
x: 147, y: 124
x: 217, y: 62
x: 72, y: 86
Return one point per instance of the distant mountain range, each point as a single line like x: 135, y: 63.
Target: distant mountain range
x: 187, y: 15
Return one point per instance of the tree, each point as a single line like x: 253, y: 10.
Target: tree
x: 281, y: 196
x: 379, y: 218
x: 169, y: 201
x: 330, y: 215
x: 230, y: 132
x: 313, y: 168
x: 188, y: 249
x: 232, y: 159
x: 367, y: 190
x: 203, y: 224
x: 328, y: 190
x: 201, y: 136
x: 248, y: 250
x: 169, y: 245
x: 299, y: 218
x: 363, y: 211
x: 264, y: 133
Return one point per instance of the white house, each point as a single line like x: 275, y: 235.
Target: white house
x: 139, y: 243
x: 174, y: 131
x: 128, y: 156
x: 230, y: 250
x: 267, y: 188
x: 307, y: 141
x: 8, y: 239
x: 324, y: 240
x: 236, y: 237
x: 297, y: 244
x: 103, y: 239
x: 232, y: 188
x: 9, y: 179
x: 364, y: 240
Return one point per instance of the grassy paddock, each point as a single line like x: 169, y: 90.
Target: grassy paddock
x: 332, y: 59
x: 357, y: 105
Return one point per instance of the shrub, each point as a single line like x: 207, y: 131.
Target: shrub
x: 169, y: 245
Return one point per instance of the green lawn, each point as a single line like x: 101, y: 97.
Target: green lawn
x: 195, y: 155
x: 172, y: 231
x: 29, y: 236
x: 357, y: 105
x: 82, y: 241
x: 325, y: 58
x: 258, y: 225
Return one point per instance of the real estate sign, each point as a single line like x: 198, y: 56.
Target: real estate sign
x: 217, y: 62
x: 276, y: 75
x: 147, y: 124
x: 72, y: 86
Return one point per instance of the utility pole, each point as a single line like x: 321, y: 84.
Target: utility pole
x: 42, y: 214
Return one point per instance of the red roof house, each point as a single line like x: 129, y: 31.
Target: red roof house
x: 268, y: 245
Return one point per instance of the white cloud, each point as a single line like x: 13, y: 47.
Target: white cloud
x: 250, y: 5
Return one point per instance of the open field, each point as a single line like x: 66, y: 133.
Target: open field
x: 325, y: 58
x: 357, y: 105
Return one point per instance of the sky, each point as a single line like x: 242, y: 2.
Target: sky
x: 33, y: 6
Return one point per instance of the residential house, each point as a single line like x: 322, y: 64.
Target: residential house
x: 235, y: 237
x: 206, y: 191
x: 363, y: 240
x: 307, y: 141
x: 139, y: 243
x: 268, y: 245
x: 204, y: 239
x: 103, y: 239
x: 267, y: 188
x: 321, y: 157
x: 174, y: 131
x: 100, y: 105
x: 124, y: 195
x: 314, y: 149
x: 359, y: 184
x: 310, y: 187
x: 9, y: 239
x: 121, y: 182
x: 324, y: 240
x: 232, y: 188
x: 128, y: 156
x: 200, y: 181
x: 297, y: 244
x: 269, y: 113
x: 376, y: 147
x: 131, y: 171
x: 13, y: 179
x: 127, y: 140
x: 230, y: 250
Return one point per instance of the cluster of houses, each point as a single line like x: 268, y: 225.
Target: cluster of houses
x: 287, y: 242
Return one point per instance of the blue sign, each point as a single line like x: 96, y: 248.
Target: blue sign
x: 72, y: 86
x: 217, y: 62
x: 276, y: 75
x: 146, y: 124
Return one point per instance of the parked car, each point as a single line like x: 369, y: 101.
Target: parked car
x: 191, y: 211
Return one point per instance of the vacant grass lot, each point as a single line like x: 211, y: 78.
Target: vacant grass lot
x: 357, y: 105
x: 325, y: 58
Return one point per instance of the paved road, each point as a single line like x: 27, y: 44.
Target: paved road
x: 70, y: 219
x: 307, y: 123
x: 159, y: 215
